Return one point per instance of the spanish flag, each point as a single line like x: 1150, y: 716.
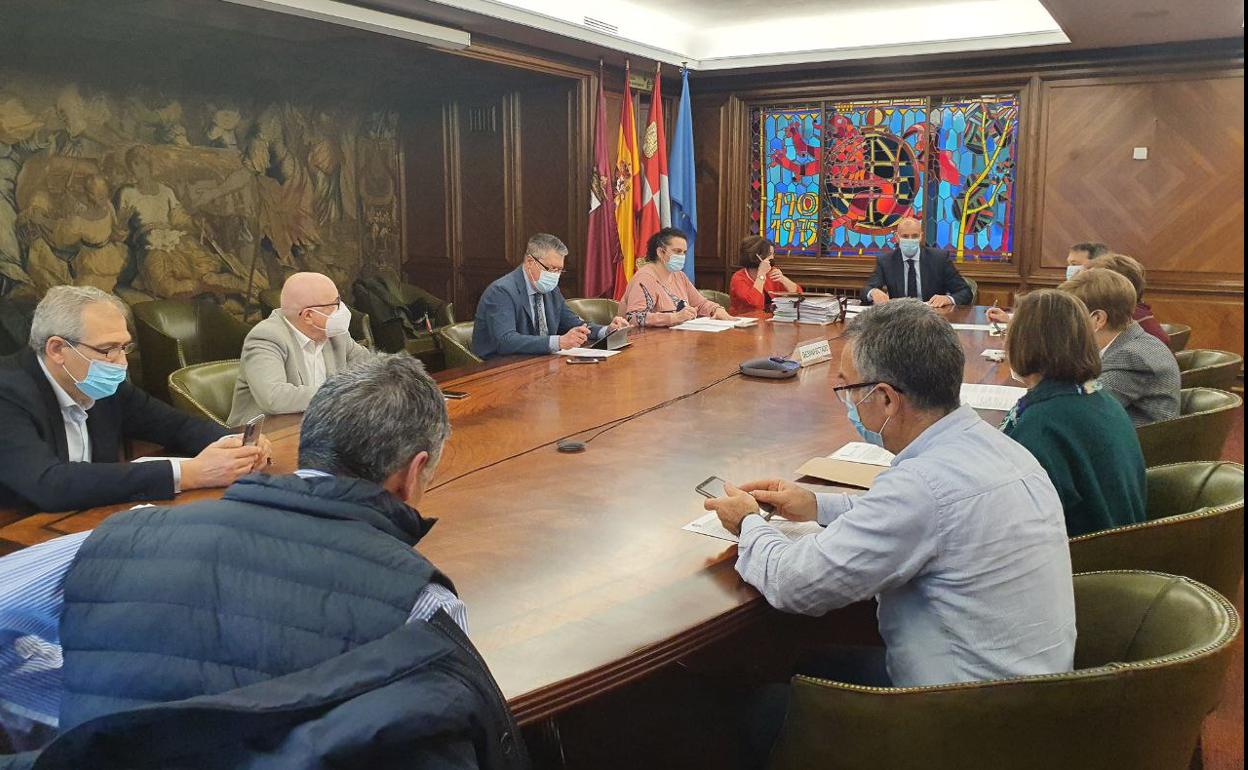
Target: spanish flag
x: 627, y: 189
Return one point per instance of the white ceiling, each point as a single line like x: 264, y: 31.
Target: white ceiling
x: 731, y: 34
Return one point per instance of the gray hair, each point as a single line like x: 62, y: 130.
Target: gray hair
x: 908, y: 345
x: 59, y: 313
x: 545, y: 242
x: 372, y: 419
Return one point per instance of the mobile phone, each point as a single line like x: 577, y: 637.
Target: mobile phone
x: 596, y: 360
x: 454, y: 394
x: 251, y: 431
x: 714, y: 487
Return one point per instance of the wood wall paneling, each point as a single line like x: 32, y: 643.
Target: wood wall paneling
x: 428, y: 249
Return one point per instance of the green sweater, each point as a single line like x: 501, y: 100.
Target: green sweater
x: 1085, y: 441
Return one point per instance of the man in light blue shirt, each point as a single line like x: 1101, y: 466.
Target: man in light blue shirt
x: 962, y: 541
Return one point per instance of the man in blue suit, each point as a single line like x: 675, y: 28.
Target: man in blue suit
x: 524, y: 313
x: 915, y: 270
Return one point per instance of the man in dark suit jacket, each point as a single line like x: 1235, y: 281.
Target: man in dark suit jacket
x: 65, y: 411
x: 914, y: 270
x: 508, y: 321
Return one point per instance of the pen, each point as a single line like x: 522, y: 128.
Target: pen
x: 996, y: 327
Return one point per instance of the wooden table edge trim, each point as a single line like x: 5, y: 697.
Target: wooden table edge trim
x: 545, y: 703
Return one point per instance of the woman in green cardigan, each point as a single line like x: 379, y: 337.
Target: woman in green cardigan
x: 1080, y: 435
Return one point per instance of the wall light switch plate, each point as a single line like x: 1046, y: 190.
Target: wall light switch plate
x: 1139, y: 153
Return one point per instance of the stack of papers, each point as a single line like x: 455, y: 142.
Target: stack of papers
x: 819, y: 310
x: 998, y: 397
x: 714, y: 325
x: 709, y: 525
x: 855, y: 464
x: 588, y: 353
x: 972, y: 327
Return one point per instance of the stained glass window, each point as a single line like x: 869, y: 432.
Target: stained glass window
x: 833, y: 179
x: 789, y: 149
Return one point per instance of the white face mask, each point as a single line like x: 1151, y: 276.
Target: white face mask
x: 338, y: 322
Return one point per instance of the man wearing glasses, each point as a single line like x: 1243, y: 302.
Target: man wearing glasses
x: 962, y: 541
x: 288, y: 355
x: 66, y: 409
x: 524, y: 312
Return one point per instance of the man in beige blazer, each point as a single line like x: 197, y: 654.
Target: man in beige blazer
x: 288, y: 355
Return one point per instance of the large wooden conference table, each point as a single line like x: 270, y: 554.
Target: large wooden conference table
x: 577, y: 575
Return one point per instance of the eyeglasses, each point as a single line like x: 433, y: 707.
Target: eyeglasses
x: 112, y: 352
x: 842, y: 392
x: 542, y: 264
x: 333, y: 304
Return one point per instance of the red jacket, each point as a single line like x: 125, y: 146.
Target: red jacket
x: 747, y: 299
x: 1144, y: 316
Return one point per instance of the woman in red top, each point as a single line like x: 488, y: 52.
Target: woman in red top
x: 1131, y: 268
x: 757, y: 279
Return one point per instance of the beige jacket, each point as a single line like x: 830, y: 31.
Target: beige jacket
x: 272, y: 375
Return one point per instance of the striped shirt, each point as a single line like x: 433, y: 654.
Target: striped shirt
x: 31, y: 598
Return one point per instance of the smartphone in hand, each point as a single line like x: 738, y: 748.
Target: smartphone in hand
x: 251, y: 431
x: 714, y: 487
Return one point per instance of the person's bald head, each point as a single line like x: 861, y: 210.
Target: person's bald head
x: 307, y: 301
x: 909, y: 227
x: 303, y: 290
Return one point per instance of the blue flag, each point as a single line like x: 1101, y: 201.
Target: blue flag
x: 683, y: 176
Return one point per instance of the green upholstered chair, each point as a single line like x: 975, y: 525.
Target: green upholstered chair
x: 173, y: 334
x: 1195, y: 528
x: 456, y: 342
x: 718, y: 297
x: 974, y: 289
x: 392, y: 333
x: 1198, y: 433
x: 361, y: 328
x: 1208, y: 368
x: 597, y: 311
x: 1179, y: 335
x: 205, y: 390
x: 1150, y: 659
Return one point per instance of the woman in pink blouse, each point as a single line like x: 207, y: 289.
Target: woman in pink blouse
x: 660, y: 294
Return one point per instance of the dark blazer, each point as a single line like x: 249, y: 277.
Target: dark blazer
x: 35, y: 472
x: 937, y: 275
x: 504, y: 324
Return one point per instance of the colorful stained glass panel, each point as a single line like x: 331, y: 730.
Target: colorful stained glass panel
x: 789, y: 149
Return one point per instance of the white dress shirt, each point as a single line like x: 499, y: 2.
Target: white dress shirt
x: 77, y: 440
x: 313, y: 355
x: 963, y: 544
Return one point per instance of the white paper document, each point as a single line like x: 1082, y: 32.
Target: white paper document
x: 998, y: 397
x: 862, y: 452
x: 972, y: 327
x: 709, y: 525
x: 705, y: 325
x: 588, y: 353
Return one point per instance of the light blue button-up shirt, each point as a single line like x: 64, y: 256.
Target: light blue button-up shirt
x: 31, y: 599
x: 553, y: 340
x: 962, y: 542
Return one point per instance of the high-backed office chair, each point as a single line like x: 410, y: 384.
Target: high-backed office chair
x: 456, y: 341
x: 974, y: 289
x: 205, y: 390
x: 595, y: 310
x: 1150, y: 658
x: 388, y: 304
x: 1179, y: 334
x: 361, y: 328
x: 1198, y: 433
x: 173, y: 334
x: 1195, y: 528
x: 718, y: 297
x: 1208, y: 368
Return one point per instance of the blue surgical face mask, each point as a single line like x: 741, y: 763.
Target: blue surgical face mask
x: 676, y: 262
x: 909, y: 246
x: 102, y: 378
x: 1073, y: 270
x: 546, y: 281
x: 875, y: 438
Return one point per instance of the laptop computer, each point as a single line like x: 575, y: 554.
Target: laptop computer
x: 613, y: 341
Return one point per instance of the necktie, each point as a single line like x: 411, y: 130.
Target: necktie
x: 539, y: 316
x: 912, y: 280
